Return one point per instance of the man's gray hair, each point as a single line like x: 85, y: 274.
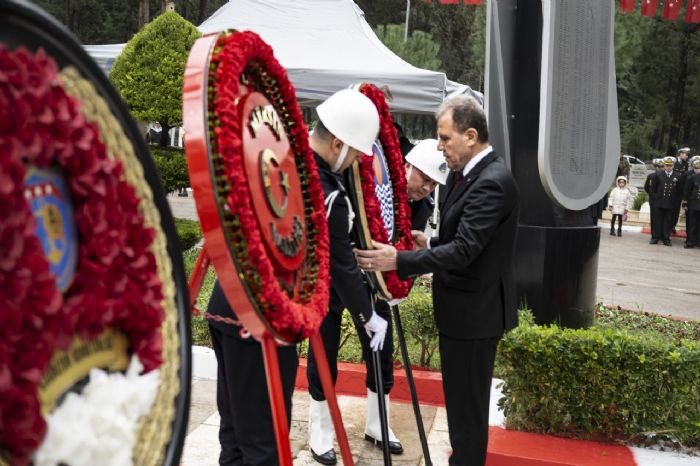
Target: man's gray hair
x: 466, y: 113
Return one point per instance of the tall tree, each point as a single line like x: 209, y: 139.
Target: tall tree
x: 419, y: 50
x: 148, y: 73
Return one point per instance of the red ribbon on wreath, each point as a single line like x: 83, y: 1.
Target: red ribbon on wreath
x: 245, y: 55
x: 402, y: 212
x: 115, y: 283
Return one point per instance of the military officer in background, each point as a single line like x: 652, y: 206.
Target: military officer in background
x: 347, y: 127
x: 658, y: 166
x: 666, y: 191
x: 425, y: 169
x: 681, y: 167
x: 692, y: 195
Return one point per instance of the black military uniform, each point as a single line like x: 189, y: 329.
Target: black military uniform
x: 692, y: 195
x: 246, y: 433
x: 648, y: 188
x: 666, y: 192
x: 348, y: 291
x: 421, y: 211
x: 680, y: 167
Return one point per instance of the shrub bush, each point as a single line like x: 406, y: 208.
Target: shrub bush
x: 640, y: 199
x: 172, y: 167
x: 601, y: 383
x: 418, y: 321
x: 189, y: 233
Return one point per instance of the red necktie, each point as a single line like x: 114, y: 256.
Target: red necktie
x: 459, y: 176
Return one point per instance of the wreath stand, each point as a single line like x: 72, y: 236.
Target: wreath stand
x: 274, y: 381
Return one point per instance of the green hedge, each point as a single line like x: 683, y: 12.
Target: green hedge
x: 172, y: 167
x: 601, y: 383
x: 189, y: 233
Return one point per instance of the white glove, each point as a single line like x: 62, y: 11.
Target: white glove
x: 376, y: 329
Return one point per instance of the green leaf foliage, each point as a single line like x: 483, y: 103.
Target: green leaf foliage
x: 172, y: 167
x: 601, y: 383
x: 419, y: 50
x: 189, y: 233
x: 640, y: 199
x: 148, y: 73
x: 419, y: 323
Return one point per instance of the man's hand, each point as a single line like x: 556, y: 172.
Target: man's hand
x: 380, y: 259
x: 376, y: 328
x: 420, y: 240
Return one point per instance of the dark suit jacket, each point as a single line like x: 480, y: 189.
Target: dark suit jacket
x: 692, y: 191
x: 666, y: 190
x: 421, y: 212
x: 472, y: 258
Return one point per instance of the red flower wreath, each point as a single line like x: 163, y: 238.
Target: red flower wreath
x: 115, y: 282
x: 402, y: 213
x: 245, y: 55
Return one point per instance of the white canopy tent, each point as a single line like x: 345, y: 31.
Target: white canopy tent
x: 325, y: 45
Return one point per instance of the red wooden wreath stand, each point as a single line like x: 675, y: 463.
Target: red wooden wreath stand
x: 217, y: 252
x: 274, y: 383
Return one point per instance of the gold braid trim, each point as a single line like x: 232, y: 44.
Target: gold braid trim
x: 155, y: 430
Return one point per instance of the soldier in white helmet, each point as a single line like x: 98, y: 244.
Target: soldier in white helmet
x: 425, y: 169
x: 246, y: 434
x: 347, y: 127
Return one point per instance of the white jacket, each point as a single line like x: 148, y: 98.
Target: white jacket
x: 620, y: 200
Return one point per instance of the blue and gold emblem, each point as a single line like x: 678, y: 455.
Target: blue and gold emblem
x: 383, y: 188
x: 47, y: 193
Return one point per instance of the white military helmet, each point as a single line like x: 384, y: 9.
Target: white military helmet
x: 351, y: 117
x: 426, y: 157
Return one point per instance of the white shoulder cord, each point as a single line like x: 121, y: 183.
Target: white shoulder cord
x: 330, y: 199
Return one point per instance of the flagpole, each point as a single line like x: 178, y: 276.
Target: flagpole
x: 408, y: 12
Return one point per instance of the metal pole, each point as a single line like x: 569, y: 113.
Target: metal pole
x: 379, y: 385
x: 408, y: 13
x: 412, y: 387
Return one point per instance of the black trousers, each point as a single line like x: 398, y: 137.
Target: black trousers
x: 619, y: 222
x: 330, y: 334
x: 692, y: 221
x: 467, y: 369
x: 246, y: 434
x: 663, y: 223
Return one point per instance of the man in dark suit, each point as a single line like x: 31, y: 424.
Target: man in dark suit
x: 666, y: 192
x: 472, y: 264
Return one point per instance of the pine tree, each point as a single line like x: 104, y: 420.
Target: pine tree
x: 148, y: 73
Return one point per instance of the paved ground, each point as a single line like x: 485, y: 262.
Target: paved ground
x: 631, y: 273
x: 202, y: 444
x: 637, y: 275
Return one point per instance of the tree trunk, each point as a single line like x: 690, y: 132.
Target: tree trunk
x: 203, y: 4
x: 679, y: 100
x: 143, y: 13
